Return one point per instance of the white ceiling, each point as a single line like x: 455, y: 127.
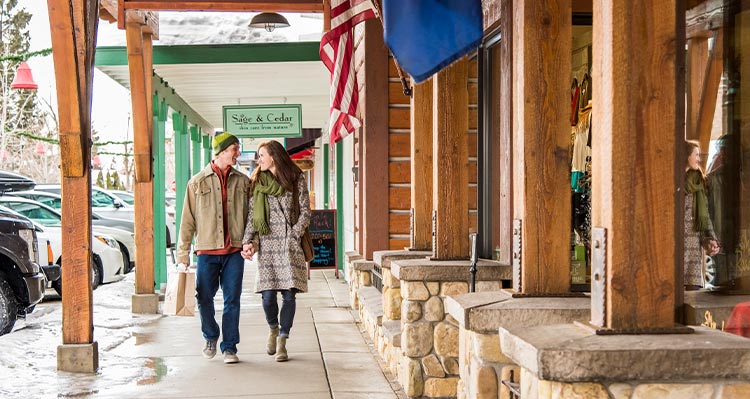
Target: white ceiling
x: 208, y: 87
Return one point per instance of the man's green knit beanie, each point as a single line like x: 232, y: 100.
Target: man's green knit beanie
x: 222, y: 141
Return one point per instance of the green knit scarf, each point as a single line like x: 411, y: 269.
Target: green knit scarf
x: 265, y: 185
x: 694, y: 185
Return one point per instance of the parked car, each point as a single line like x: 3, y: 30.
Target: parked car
x: 108, y: 205
x: 21, y: 280
x: 12, y: 182
x: 126, y: 196
x: 104, y: 203
x: 113, y: 266
x: 113, y: 227
x: 51, y: 270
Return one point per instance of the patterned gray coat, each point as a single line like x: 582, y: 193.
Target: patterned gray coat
x: 281, y: 262
x: 694, y: 256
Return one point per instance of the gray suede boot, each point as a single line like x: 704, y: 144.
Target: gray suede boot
x: 271, y: 344
x: 281, y: 355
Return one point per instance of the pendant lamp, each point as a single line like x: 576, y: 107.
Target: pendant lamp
x: 23, y: 78
x: 269, y: 21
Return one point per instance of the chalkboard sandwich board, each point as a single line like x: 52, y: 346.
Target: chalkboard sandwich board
x: 323, y: 234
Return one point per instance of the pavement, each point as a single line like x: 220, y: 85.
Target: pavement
x: 160, y: 356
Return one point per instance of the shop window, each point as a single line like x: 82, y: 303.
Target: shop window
x: 494, y: 151
x: 581, y: 136
x: 716, y: 251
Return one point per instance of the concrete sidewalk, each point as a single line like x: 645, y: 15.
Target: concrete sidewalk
x: 328, y: 355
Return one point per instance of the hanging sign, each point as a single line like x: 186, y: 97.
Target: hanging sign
x: 283, y: 120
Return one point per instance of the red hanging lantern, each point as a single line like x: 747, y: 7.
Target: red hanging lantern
x: 40, y: 148
x: 23, y: 78
x: 97, y: 161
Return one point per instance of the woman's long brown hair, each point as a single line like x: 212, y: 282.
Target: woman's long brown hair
x: 287, y: 171
x: 690, y: 145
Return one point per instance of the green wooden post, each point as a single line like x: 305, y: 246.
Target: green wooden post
x: 182, y: 168
x: 340, y: 202
x: 206, y: 150
x: 160, y: 222
x: 195, y: 147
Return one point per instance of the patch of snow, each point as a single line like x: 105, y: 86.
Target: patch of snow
x: 185, y: 28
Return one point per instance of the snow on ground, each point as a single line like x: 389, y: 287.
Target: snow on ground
x: 28, y: 355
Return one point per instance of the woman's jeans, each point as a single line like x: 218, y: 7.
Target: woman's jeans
x: 288, y: 307
x: 226, y: 270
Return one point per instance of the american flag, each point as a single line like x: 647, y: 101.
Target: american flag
x: 337, y: 54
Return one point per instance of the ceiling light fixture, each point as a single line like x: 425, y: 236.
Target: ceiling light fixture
x: 269, y: 21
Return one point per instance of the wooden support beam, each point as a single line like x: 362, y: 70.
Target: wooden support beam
x: 450, y: 161
x: 140, y: 64
x: 421, y: 166
x: 696, y: 64
x: 374, y: 176
x: 73, y: 27
x: 542, y: 37
x: 709, y: 92
x: 111, y: 11
x: 635, y: 170
x: 704, y: 18
x: 226, y: 5
x: 140, y: 99
x: 505, y: 139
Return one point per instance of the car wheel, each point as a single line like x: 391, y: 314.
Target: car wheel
x: 96, y: 272
x: 8, y: 307
x: 57, y: 286
x: 125, y: 258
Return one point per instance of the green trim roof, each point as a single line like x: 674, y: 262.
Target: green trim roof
x: 216, y: 53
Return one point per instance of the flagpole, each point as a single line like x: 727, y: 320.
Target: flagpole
x: 404, y: 84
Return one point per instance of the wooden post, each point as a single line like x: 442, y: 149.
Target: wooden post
x: 541, y: 102
x: 635, y: 191
x: 374, y: 175
x: 450, y: 161
x: 421, y: 166
x: 139, y: 63
x: 73, y: 27
x: 697, y: 60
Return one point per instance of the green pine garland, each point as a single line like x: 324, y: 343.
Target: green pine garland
x: 55, y: 141
x: 26, y: 56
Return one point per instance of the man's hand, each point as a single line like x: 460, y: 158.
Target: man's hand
x: 248, y: 251
x: 181, y: 267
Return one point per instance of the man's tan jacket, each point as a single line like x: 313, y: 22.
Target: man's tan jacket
x: 202, y: 212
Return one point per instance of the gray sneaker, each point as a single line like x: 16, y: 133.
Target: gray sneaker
x: 231, y: 357
x: 209, y: 351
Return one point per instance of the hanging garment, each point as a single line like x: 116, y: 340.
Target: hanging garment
x: 581, y: 149
x: 575, y: 92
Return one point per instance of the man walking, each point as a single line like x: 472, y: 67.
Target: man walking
x: 215, y: 213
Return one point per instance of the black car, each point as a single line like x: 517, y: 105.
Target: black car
x: 14, y: 182
x: 22, y: 282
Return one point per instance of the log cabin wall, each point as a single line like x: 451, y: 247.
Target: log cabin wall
x: 399, y: 161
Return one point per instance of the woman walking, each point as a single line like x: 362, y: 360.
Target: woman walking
x: 699, y: 231
x: 279, y: 215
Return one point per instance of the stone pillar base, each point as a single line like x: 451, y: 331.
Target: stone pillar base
x: 145, y: 303
x: 78, y: 358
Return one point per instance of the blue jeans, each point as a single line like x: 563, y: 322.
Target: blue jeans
x: 288, y: 307
x: 226, y: 270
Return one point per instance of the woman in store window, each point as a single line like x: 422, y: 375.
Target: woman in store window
x: 699, y: 231
x: 273, y: 233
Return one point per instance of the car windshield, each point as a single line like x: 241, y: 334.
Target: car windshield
x: 41, y: 215
x: 127, y: 197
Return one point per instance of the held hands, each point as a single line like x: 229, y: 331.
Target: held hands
x: 181, y: 267
x: 248, y: 251
x: 712, y: 247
